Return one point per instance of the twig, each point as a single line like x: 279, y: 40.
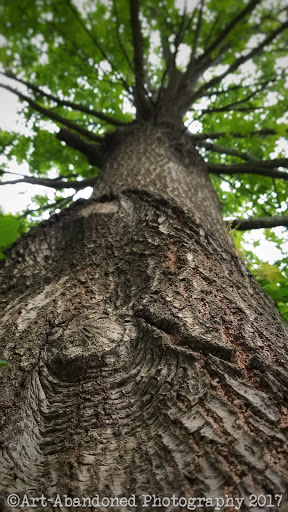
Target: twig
x: 97, y: 44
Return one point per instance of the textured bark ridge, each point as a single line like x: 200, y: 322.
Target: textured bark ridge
x: 145, y: 359
x: 163, y: 162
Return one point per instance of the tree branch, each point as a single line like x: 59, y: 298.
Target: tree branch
x: 216, y: 135
x: 258, y: 223
x: 57, y: 184
x: 192, y: 73
x: 263, y: 168
x: 212, y: 29
x: 197, y: 31
x: 276, y: 192
x: 225, y: 109
x: 173, y: 73
x: 225, y: 151
x: 229, y: 107
x: 226, y: 31
x: 123, y: 49
x: 65, y: 103
x: 236, y: 64
x: 52, y: 115
x: 199, y: 65
x: 59, y: 203
x: 260, y: 85
x: 91, y: 151
x: 143, y: 105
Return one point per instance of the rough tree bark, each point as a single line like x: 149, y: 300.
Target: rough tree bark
x: 144, y: 357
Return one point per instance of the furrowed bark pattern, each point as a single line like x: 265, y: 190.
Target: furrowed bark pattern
x: 162, y: 161
x: 145, y: 359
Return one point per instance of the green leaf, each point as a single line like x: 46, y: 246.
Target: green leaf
x: 3, y: 363
x: 269, y: 272
x: 9, y: 232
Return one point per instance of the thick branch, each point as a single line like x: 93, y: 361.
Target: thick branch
x: 267, y: 164
x: 258, y: 223
x: 52, y: 115
x: 173, y: 73
x: 192, y: 73
x: 91, y: 151
x: 142, y: 104
x: 137, y: 42
x: 263, y: 168
x: 190, y: 78
x: 169, y: 57
x: 57, y: 184
x: 65, y: 103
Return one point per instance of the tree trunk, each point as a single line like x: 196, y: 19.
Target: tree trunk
x: 145, y: 360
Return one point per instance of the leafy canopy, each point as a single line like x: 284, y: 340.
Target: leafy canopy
x: 81, y: 68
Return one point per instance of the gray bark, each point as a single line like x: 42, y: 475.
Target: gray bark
x: 144, y: 357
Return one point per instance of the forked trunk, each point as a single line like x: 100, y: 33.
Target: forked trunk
x: 145, y: 360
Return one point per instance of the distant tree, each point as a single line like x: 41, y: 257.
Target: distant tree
x: 144, y: 357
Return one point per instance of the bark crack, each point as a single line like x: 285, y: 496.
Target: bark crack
x: 179, y: 338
